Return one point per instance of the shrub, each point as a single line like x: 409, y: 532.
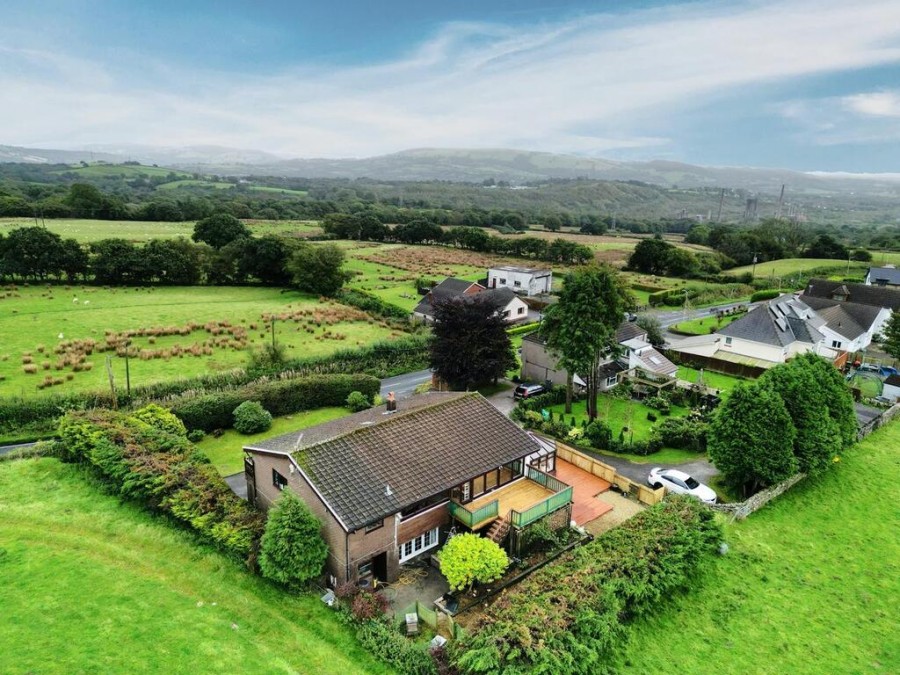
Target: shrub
x: 292, y: 550
x: 251, y: 418
x: 357, y: 401
x: 765, y: 295
x: 367, y: 605
x: 568, y: 617
x: 659, y: 403
x: 195, y: 435
x: 382, y: 639
x: 160, y: 418
x: 598, y: 434
x: 540, y: 536
x: 468, y: 558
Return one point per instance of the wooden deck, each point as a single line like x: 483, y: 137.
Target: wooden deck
x: 520, y: 495
x: 585, y: 505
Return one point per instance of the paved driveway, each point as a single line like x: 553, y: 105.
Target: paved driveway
x: 701, y: 469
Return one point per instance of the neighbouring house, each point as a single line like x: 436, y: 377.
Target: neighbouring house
x: 883, y: 276
x: 767, y: 335
x: 511, y: 307
x: 523, y: 280
x: 891, y: 389
x: 539, y: 365
x: 879, y: 296
x: 387, y: 486
x: 849, y: 326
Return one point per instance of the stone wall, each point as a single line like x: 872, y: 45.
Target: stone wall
x: 741, y: 510
x: 879, y: 421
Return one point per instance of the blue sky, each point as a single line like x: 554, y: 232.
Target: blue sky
x: 803, y: 84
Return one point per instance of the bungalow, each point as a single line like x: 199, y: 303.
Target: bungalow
x: 883, y: 276
x: 879, y: 296
x: 524, y: 280
x: 511, y: 307
x: 387, y: 486
x: 849, y: 326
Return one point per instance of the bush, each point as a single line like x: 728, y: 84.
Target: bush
x: 372, y: 304
x: 659, y: 403
x: 196, y: 435
x: 469, y: 558
x: 598, y: 434
x: 357, y: 401
x: 765, y: 295
x: 164, y: 472
x: 568, y: 617
x: 540, y: 536
x: 292, y: 550
x: 384, y: 641
x: 367, y: 605
x: 160, y: 418
x: 251, y: 418
x: 683, y: 432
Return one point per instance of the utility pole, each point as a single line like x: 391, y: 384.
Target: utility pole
x: 721, y: 202
x: 273, y: 333
x: 753, y: 273
x: 112, y: 383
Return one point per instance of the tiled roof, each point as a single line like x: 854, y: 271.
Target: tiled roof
x: 880, y: 296
x: 450, y: 287
x: 780, y: 322
x: 887, y: 275
x: 628, y: 330
x: 655, y: 362
x: 849, y: 319
x: 369, y: 465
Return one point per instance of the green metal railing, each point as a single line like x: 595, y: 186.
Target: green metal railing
x: 541, y: 509
x: 546, y: 480
x: 472, y: 518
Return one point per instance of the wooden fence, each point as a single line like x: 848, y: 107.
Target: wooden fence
x: 644, y: 493
x: 440, y: 622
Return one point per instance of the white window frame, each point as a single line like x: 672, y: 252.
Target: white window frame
x: 424, y: 542
x: 835, y: 344
x: 612, y: 380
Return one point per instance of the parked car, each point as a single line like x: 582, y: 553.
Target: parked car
x: 681, y: 483
x: 526, y: 390
x: 887, y: 371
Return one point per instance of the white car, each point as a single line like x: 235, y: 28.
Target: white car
x: 681, y: 483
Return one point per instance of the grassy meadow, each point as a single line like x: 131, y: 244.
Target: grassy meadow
x: 810, y: 584
x: 709, y: 324
x: 139, y: 231
x: 226, y: 451
x: 187, y: 331
x: 91, y: 584
x: 798, y: 267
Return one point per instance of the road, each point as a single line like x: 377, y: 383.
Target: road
x: 404, y: 385
x: 9, y: 448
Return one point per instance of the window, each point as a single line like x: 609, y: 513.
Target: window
x: 278, y: 480
x: 611, y: 381
x: 503, y: 282
x: 420, y: 544
x: 517, y: 284
x: 505, y: 314
x: 836, y: 344
x: 365, y: 569
x: 521, y: 310
x: 728, y: 341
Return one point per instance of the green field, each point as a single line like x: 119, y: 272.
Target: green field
x: 226, y: 453
x: 810, y: 584
x: 724, y: 383
x: 797, y: 267
x: 139, y: 231
x: 33, y: 318
x: 91, y: 584
x: 191, y: 182
x: 124, y: 170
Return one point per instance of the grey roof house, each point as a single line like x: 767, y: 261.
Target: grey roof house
x: 386, y: 485
x: 879, y: 296
x: 883, y: 276
x: 512, y: 308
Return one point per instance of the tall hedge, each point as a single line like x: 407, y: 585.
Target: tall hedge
x: 570, y: 616
x: 163, y: 471
x: 279, y: 397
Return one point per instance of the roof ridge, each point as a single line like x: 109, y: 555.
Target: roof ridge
x: 394, y: 417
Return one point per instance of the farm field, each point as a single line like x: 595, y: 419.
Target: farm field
x: 91, y: 584
x: 184, y: 332
x: 138, y: 231
x: 226, y: 454
x: 124, y: 170
x: 810, y: 584
x: 797, y: 267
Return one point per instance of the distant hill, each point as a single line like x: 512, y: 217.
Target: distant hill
x: 472, y: 166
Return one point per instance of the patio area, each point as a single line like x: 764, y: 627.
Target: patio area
x: 519, y: 495
x: 424, y: 584
x: 586, y: 487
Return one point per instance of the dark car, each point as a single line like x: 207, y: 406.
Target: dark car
x: 528, y: 390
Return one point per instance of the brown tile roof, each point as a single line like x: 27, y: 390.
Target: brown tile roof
x: 369, y: 465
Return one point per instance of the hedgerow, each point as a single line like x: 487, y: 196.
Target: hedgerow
x: 571, y: 616
x: 280, y: 397
x: 164, y: 472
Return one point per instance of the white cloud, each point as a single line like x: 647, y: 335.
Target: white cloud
x: 596, y: 84
x: 876, y: 104
x: 866, y: 117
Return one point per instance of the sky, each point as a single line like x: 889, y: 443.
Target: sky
x: 800, y: 84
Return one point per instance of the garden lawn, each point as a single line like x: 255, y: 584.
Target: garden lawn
x: 31, y: 317
x: 226, y: 451
x: 725, y: 383
x: 620, y: 413
x: 703, y: 326
x: 810, y: 584
x: 91, y: 584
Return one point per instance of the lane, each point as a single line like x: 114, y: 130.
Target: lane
x: 404, y: 385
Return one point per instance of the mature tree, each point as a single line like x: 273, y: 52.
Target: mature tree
x: 318, y: 269
x: 552, y: 222
x: 698, y: 234
x: 220, y: 230
x: 837, y: 397
x: 33, y: 253
x: 174, y: 262
x: 750, y: 439
x: 292, y: 550
x: 891, y: 335
x: 470, y: 345
x: 650, y: 256
x: 114, y: 261
x: 819, y: 435
x: 654, y: 329
x: 826, y: 247
x: 468, y: 558
x: 266, y: 259
x: 73, y: 259
x: 681, y: 263
x: 581, y: 327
